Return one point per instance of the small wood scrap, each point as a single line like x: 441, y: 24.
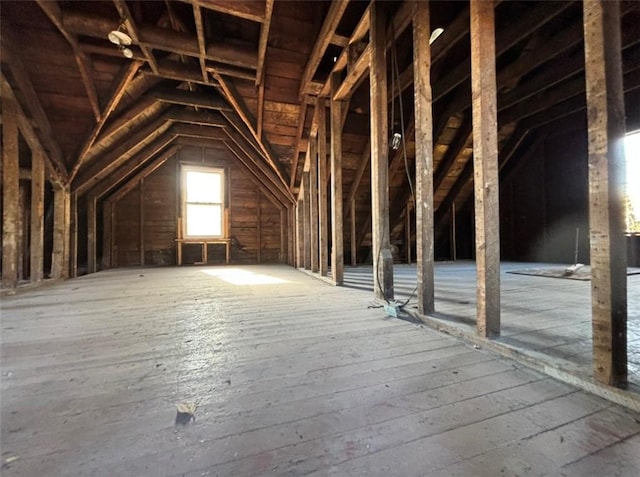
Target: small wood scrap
x: 574, y: 272
x: 185, y: 413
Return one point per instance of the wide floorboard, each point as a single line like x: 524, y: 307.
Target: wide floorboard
x: 288, y: 376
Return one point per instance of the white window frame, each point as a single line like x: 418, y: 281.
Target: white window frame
x: 212, y: 170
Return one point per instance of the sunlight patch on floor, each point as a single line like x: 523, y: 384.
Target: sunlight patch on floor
x: 237, y: 276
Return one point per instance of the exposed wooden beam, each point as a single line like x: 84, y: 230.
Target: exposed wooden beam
x: 202, y: 118
x: 381, y: 247
x: 11, y: 212
x: 299, y: 234
x: 260, y: 110
x: 130, y: 25
x: 365, y: 159
x: 160, y: 146
x: 113, y: 158
x: 245, y: 146
x: 53, y: 11
x: 262, y: 43
x: 247, y: 9
x: 144, y: 106
x: 157, y: 38
x: 302, y: 114
x: 337, y: 220
x: 197, y: 15
x: 606, y: 120
x: 485, y: 166
x: 236, y: 100
x: 12, y: 57
x: 460, y: 142
x: 118, y: 90
x: 210, y: 100
x: 145, y: 172
x: 331, y: 21
x: 173, y: 70
x: 58, y: 173
x: 196, y: 130
x: 424, y: 160
x: 355, y: 75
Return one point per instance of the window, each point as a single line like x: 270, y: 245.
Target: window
x: 632, y: 153
x: 203, y: 202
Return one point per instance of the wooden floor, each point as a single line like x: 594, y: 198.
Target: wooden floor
x: 291, y: 377
x: 548, y: 318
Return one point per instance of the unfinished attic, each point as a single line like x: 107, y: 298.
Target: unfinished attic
x: 273, y: 237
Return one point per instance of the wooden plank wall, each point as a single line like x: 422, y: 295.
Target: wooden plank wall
x: 161, y: 208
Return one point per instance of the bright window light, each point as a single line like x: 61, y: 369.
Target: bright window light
x: 237, y: 276
x: 632, y: 153
x: 203, y: 208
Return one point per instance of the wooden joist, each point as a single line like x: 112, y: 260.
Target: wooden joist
x: 262, y: 42
x: 186, y: 98
x: 331, y: 21
x: 485, y: 166
x: 606, y: 122
x: 53, y: 11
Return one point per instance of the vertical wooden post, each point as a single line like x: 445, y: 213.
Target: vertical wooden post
x: 454, y: 244
x: 424, y: 159
x: 259, y: 225
x: 283, y: 235
x: 323, y: 241
x: 337, y: 226
x: 485, y: 166
x: 37, y: 217
x: 300, y: 234
x: 61, y: 232
x: 382, y: 258
x: 313, y: 194
x: 142, y: 219
x: 23, y: 231
x: 307, y: 219
x: 10, y: 193
x: 291, y: 236
x: 407, y: 232
x: 354, y: 235
x: 91, y: 233
x: 605, y: 107
x: 107, y: 210
x: 73, y: 236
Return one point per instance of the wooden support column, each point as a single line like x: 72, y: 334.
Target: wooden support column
x: 354, y: 236
x: 313, y: 204
x: 307, y: 220
x: 323, y: 218
x: 337, y: 230
x: 300, y: 234
x: 37, y: 216
x: 73, y: 236
x: 283, y: 235
x: 259, y: 225
x: 606, y: 112
x: 142, y: 247
x: 485, y: 166
x: 382, y: 258
x: 92, y: 234
x: 61, y: 232
x: 10, y: 193
x: 407, y: 233
x: 424, y: 160
x: 107, y: 211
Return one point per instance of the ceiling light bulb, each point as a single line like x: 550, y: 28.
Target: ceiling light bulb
x: 118, y: 37
x: 435, y: 34
x: 127, y: 52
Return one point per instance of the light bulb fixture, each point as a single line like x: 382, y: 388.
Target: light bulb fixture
x: 435, y: 34
x: 120, y: 37
x: 126, y: 52
x: 395, y: 141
